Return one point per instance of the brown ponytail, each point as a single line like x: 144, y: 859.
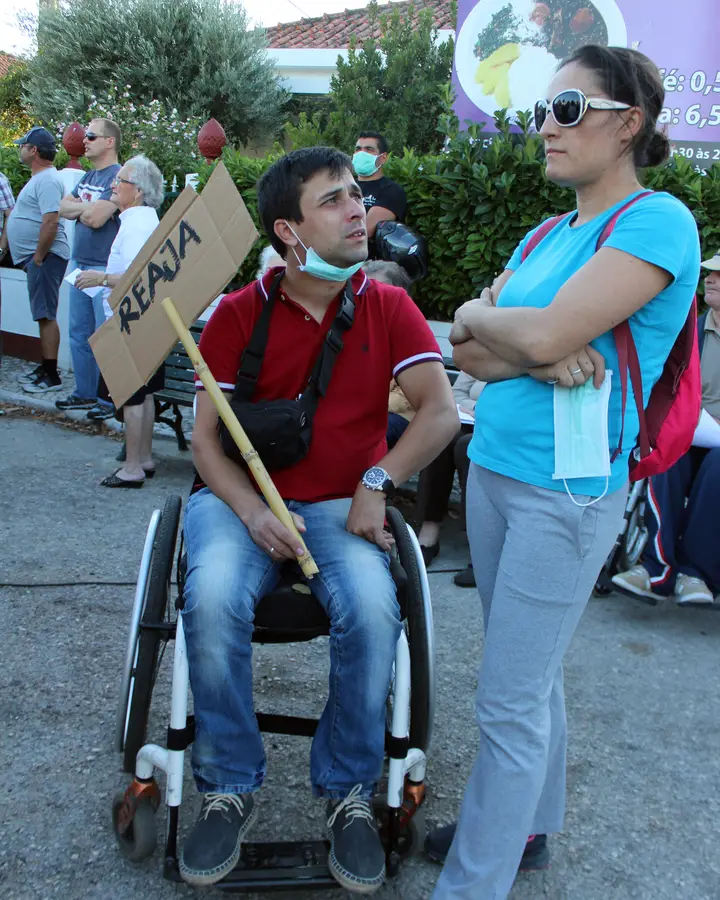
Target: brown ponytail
x: 628, y: 76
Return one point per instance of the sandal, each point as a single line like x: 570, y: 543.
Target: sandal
x: 430, y: 552
x: 149, y: 473
x: 112, y: 481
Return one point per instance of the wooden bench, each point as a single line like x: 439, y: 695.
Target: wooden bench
x: 179, y: 390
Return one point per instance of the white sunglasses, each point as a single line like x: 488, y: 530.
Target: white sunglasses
x: 568, y: 108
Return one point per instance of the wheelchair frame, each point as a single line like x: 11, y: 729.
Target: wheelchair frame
x: 276, y: 865
x: 630, y: 542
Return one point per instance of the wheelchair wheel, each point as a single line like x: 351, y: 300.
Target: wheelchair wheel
x: 138, y: 842
x: 136, y: 708
x: 631, y: 541
x: 419, y: 625
x: 636, y: 536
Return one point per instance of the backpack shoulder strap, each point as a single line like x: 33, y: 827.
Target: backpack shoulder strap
x: 252, y: 358
x: 542, y: 231
x: 612, y: 221
x: 332, y: 345
x: 627, y: 351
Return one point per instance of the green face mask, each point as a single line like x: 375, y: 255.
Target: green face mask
x: 316, y: 266
x: 582, y: 446
x: 365, y: 164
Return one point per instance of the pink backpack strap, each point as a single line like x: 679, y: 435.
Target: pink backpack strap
x: 541, y: 232
x: 628, y: 360
x: 627, y: 351
x: 612, y: 222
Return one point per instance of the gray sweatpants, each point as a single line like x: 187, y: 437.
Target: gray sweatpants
x: 536, y: 557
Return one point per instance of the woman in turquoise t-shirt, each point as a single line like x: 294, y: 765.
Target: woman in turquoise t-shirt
x: 545, y: 503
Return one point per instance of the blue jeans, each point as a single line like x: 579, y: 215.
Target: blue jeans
x: 86, y: 316
x: 227, y: 574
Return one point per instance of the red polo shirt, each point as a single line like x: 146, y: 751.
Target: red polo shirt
x: 388, y: 335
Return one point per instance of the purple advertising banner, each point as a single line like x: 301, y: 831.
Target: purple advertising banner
x: 506, y: 52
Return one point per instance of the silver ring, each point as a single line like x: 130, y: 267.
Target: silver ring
x: 576, y: 371
x: 272, y: 549
x: 553, y: 381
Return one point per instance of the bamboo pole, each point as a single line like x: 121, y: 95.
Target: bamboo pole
x: 247, y: 451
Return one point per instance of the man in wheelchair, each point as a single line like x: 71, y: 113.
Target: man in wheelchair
x: 311, y: 208
x: 682, y: 555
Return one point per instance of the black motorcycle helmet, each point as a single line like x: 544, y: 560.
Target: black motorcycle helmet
x: 397, y: 243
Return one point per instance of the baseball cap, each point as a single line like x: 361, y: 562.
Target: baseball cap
x: 712, y: 264
x: 40, y: 138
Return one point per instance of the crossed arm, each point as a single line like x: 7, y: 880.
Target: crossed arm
x: 497, y: 344
x: 94, y: 215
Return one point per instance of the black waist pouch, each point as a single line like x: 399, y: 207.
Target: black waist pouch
x: 281, y: 430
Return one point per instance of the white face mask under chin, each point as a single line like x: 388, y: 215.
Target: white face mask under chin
x: 582, y: 445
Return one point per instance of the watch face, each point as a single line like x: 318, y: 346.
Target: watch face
x: 374, y: 478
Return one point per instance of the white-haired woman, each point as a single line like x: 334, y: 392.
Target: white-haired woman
x: 138, y: 192
x: 269, y: 259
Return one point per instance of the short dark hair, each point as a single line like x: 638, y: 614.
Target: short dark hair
x: 280, y: 188
x: 628, y: 76
x: 381, y: 142
x: 46, y: 153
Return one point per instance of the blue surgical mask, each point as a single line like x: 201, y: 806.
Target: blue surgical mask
x: 316, y: 266
x: 582, y: 446
x: 365, y: 164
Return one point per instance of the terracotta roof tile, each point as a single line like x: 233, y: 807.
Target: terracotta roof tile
x: 6, y: 60
x: 333, y: 31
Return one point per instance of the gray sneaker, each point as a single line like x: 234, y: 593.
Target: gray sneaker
x: 212, y: 848
x: 43, y: 384
x: 357, y: 857
x: 32, y: 375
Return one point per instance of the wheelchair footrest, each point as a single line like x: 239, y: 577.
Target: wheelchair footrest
x: 298, y: 865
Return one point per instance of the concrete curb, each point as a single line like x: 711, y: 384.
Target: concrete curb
x: 33, y: 401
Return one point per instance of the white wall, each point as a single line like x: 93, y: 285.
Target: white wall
x: 306, y: 71
x: 309, y: 71
x: 16, y: 317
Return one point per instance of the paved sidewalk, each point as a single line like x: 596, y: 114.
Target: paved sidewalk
x: 644, y: 788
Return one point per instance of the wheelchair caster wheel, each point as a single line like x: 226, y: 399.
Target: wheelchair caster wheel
x: 137, y: 838
x: 411, y: 836
x: 392, y: 865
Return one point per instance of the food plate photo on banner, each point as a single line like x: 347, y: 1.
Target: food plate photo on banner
x: 508, y: 50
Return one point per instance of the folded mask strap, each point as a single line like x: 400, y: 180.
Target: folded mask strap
x: 590, y: 502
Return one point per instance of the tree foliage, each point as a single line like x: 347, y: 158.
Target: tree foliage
x: 14, y: 121
x: 393, y: 85
x: 196, y: 56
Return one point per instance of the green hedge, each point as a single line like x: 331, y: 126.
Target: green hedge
x: 18, y: 175
x: 474, y: 203
x: 477, y: 200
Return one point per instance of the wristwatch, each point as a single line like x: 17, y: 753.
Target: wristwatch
x: 105, y: 281
x: 377, y: 479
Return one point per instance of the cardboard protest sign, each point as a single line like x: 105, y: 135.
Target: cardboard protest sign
x: 192, y: 254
